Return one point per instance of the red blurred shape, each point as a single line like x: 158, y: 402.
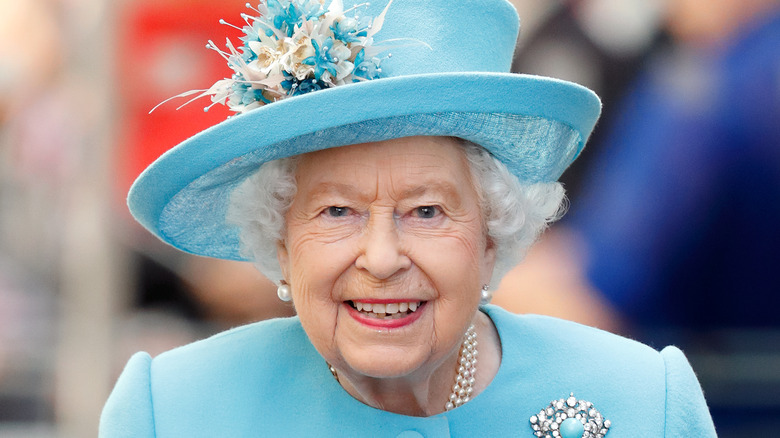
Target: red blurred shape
x: 161, y: 53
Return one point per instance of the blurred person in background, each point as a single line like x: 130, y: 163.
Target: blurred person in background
x: 602, y: 44
x: 675, y: 237
x: 598, y: 43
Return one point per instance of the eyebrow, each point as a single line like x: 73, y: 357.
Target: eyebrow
x: 438, y: 186
x: 334, y: 188
x: 447, y: 189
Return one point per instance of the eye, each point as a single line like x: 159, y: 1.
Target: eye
x: 426, y: 211
x: 337, y: 211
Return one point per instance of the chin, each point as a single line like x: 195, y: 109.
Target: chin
x: 385, y: 363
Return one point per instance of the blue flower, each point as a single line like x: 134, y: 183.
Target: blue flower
x: 284, y: 18
x: 366, y: 69
x: 311, y: 9
x: 347, y: 30
x: 294, y: 14
x: 297, y: 87
x: 322, y: 60
x: 246, y: 95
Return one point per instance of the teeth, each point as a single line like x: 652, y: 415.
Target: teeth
x: 387, y: 311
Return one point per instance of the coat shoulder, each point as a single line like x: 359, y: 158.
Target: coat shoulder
x: 267, y: 338
x: 223, y: 384
x: 561, y: 338
x: 643, y: 392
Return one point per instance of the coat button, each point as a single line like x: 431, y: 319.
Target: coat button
x: 410, y: 434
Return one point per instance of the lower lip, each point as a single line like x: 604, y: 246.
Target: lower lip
x: 385, y: 323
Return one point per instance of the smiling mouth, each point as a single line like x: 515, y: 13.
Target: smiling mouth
x: 386, y: 311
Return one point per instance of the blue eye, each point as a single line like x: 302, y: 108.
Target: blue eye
x: 338, y: 211
x: 426, y: 212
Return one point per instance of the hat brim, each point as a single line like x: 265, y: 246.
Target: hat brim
x: 535, y: 125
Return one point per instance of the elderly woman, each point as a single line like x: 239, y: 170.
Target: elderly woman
x: 386, y: 196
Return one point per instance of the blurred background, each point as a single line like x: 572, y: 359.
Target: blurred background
x: 671, y: 237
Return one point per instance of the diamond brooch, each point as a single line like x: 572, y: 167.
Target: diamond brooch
x: 570, y: 418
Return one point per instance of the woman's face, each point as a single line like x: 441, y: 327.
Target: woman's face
x: 394, y: 227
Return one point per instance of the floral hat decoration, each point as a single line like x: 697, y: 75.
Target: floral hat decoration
x: 313, y: 74
x: 296, y: 47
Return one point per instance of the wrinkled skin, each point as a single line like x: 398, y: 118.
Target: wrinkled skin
x: 399, y: 220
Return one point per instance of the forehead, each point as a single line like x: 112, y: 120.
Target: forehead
x: 404, y: 161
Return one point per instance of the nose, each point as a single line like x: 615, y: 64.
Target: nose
x: 381, y: 254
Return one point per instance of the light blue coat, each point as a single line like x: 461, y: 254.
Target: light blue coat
x: 266, y: 379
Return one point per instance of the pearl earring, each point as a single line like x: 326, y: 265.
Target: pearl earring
x: 284, y: 292
x: 486, y: 295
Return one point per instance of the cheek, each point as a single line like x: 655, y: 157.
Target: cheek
x: 452, y: 262
x: 314, y: 264
x: 315, y: 270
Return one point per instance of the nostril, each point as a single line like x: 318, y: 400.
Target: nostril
x: 383, y: 267
x: 382, y: 253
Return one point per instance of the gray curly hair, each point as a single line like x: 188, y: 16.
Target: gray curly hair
x: 514, y: 213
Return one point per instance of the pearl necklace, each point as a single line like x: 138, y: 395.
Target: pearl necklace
x: 467, y: 370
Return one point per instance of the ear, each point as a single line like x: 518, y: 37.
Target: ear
x: 488, y: 261
x: 284, y: 260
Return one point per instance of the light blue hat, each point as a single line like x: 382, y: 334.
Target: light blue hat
x: 366, y: 73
